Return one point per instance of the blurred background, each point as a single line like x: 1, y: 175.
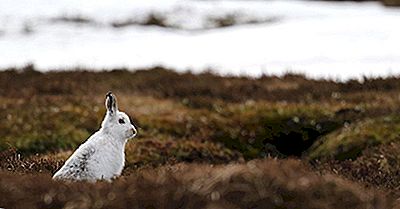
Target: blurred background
x: 323, y: 39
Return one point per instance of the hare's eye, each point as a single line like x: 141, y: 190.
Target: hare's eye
x: 121, y: 121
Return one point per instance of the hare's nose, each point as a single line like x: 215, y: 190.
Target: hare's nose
x: 134, y: 131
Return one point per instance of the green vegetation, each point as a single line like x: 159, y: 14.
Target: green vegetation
x: 351, y: 140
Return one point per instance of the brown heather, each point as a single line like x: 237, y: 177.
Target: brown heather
x: 205, y: 141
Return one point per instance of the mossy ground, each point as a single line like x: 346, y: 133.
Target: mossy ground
x: 346, y: 129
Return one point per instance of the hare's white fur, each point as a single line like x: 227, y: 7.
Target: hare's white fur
x: 102, y: 156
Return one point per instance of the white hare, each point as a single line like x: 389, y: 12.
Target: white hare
x: 102, y: 156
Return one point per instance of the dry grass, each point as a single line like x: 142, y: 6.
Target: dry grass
x: 256, y: 184
x: 203, y: 130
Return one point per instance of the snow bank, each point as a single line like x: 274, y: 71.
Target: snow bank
x: 321, y: 39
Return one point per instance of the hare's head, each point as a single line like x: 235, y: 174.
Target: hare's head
x: 115, y: 122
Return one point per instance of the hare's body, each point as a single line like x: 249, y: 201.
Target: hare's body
x: 102, y: 156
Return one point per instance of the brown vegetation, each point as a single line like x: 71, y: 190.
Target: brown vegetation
x: 204, y: 129
x: 256, y: 184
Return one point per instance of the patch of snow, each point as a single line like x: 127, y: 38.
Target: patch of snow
x: 320, y: 39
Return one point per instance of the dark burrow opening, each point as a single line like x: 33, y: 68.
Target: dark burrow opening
x: 297, y: 138
x: 278, y: 137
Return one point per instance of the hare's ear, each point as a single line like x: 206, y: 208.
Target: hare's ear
x: 111, y: 103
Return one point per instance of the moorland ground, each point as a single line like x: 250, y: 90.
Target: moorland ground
x: 204, y: 141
